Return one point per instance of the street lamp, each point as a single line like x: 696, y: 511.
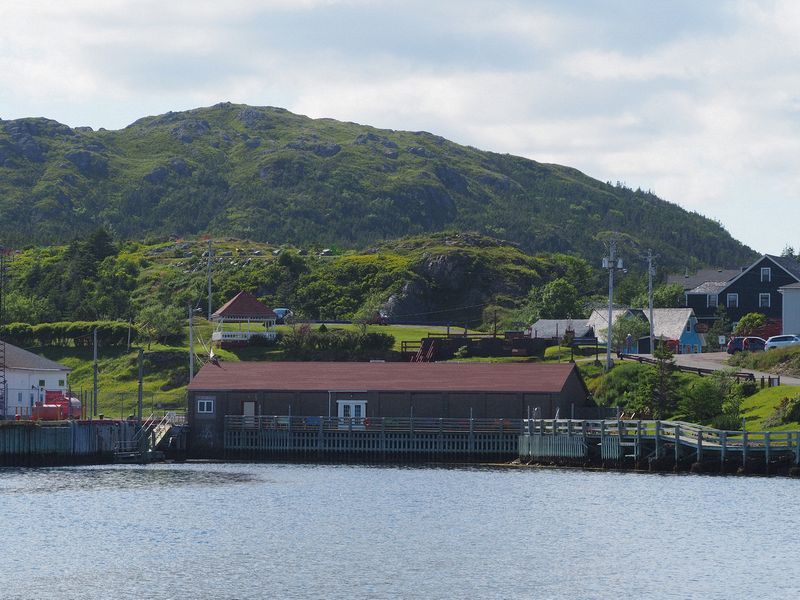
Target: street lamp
x: 612, y: 263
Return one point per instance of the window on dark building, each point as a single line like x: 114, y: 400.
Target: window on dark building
x: 205, y: 405
x: 766, y: 274
x: 711, y: 300
x: 733, y: 301
x: 764, y: 300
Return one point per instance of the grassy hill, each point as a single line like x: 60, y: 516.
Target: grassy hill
x: 265, y: 174
x: 437, y: 278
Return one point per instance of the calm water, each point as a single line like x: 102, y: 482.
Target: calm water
x: 295, y: 531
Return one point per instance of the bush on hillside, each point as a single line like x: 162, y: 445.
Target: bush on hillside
x: 336, y: 344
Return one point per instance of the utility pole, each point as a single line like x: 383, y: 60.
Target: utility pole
x: 191, y: 346
x: 650, y: 273
x: 139, y: 398
x: 94, y: 371
x: 210, y: 254
x: 612, y: 263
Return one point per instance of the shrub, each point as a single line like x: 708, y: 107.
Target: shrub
x: 462, y: 352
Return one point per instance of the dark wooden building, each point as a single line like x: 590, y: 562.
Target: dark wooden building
x: 754, y: 289
x: 373, y: 390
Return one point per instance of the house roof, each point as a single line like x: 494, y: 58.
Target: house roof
x: 703, y: 275
x: 670, y: 323
x: 244, y: 306
x: 390, y: 376
x: 552, y: 328
x: 790, y: 265
x: 709, y: 287
x: 791, y: 286
x: 598, y: 320
x: 17, y: 358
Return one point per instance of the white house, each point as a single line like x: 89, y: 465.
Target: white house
x: 28, y: 377
x: 791, y: 308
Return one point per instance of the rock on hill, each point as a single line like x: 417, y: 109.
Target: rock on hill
x: 266, y: 174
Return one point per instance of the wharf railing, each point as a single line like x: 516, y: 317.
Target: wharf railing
x: 385, y: 436
x: 640, y: 439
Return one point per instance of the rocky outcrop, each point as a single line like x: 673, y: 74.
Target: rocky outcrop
x: 324, y: 149
x: 190, y: 129
x: 88, y: 163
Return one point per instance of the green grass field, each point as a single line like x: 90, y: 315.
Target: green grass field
x: 758, y: 407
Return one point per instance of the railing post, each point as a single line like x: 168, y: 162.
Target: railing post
x: 677, y: 443
x: 744, y: 448
x: 700, y: 445
x: 766, y: 448
x: 797, y: 448
x: 723, y: 438
x: 638, y: 449
x: 658, y: 439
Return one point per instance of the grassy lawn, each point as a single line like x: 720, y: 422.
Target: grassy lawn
x: 762, y: 404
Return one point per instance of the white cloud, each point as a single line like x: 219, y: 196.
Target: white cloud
x: 701, y: 107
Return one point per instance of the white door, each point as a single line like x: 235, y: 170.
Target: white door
x: 352, y: 413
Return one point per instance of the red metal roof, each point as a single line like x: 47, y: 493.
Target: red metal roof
x: 243, y: 306
x: 390, y: 376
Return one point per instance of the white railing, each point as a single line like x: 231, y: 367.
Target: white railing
x: 241, y: 336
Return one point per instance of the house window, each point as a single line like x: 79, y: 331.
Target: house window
x: 763, y: 300
x: 61, y: 383
x: 205, y: 405
x: 41, y: 383
x: 766, y: 274
x: 733, y: 301
x: 711, y: 300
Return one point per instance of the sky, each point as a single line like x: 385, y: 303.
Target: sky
x: 696, y: 101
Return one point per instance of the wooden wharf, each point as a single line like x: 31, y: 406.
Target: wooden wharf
x: 659, y: 445
x: 50, y: 443
x: 612, y: 443
x: 385, y: 438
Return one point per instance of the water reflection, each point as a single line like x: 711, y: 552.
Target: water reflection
x: 88, y: 479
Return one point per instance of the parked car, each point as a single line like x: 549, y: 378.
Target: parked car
x: 779, y: 341
x: 746, y: 344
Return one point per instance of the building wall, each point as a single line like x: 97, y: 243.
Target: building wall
x: 749, y: 286
x: 791, y: 311
x: 206, y: 429
x: 26, y: 386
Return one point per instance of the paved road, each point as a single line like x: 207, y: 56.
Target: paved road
x: 719, y: 360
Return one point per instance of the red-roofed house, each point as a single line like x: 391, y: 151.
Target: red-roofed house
x: 251, y: 316
x: 373, y: 390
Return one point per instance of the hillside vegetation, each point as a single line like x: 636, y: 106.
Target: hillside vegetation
x: 267, y: 175
x: 439, y: 278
